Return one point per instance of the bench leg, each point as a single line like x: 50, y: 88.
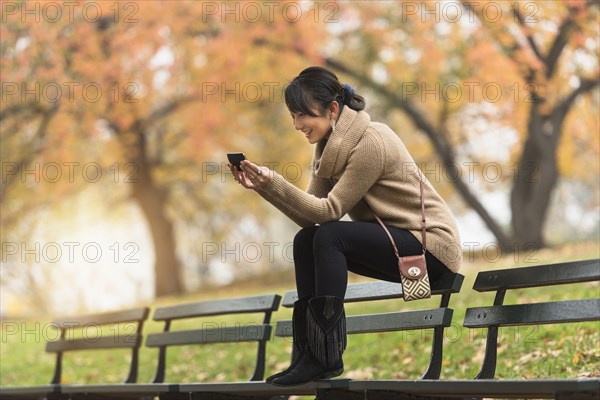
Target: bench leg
x: 435, y: 363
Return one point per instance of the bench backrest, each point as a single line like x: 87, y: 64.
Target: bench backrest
x: 259, y: 333
x: 499, y: 314
x: 69, y: 340
x: 436, y: 318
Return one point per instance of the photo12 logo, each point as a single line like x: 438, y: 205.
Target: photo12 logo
x: 68, y: 171
x: 455, y: 12
x: 269, y: 11
x: 248, y: 252
x: 471, y: 92
x: 71, y: 252
x: 54, y: 92
x: 37, y: 332
x: 53, y: 12
x: 291, y: 171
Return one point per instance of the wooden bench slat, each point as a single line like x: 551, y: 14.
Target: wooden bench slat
x: 115, y: 317
x: 219, y: 307
x: 535, y: 276
x: 536, y: 314
x: 382, y: 290
x: 358, y: 292
x: 393, y: 321
x: 262, y: 388
x: 249, y: 333
x: 505, y: 388
x: 239, y: 388
x: 399, y: 321
x: 122, y: 389
x: 93, y: 343
x: 38, y: 390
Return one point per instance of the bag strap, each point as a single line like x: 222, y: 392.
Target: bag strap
x: 423, y: 223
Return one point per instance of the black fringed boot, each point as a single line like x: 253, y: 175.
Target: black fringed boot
x: 298, y: 336
x: 326, y: 334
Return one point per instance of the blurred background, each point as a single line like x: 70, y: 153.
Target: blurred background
x: 116, y: 117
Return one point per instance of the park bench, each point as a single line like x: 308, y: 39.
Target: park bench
x: 88, y: 333
x: 210, y: 333
x: 492, y: 318
x: 434, y: 318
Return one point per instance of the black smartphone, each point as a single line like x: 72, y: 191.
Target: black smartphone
x: 235, y: 159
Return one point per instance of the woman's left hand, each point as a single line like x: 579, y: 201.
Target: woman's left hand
x: 252, y: 176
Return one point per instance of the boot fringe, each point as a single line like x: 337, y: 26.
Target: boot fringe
x: 327, y: 347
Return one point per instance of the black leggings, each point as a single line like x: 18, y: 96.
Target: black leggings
x: 324, y: 254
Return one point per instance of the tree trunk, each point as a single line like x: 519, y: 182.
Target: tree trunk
x: 535, y: 180
x: 152, y: 200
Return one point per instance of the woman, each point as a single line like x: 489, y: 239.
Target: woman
x: 359, y: 168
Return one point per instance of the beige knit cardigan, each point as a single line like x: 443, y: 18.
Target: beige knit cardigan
x: 364, y: 166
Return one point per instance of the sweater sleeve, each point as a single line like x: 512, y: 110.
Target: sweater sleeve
x: 365, y: 166
x: 284, y: 207
x: 317, y: 186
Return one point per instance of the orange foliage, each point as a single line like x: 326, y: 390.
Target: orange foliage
x: 211, y: 58
x: 189, y: 79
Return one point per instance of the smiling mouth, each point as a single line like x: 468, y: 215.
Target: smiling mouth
x: 306, y: 134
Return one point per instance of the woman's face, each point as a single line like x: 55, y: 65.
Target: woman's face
x: 314, y: 128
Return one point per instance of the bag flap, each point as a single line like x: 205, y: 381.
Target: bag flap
x: 413, y: 267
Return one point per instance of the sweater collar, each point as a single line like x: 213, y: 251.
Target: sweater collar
x: 331, y: 155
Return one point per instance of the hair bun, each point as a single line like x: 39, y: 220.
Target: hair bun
x: 348, y: 93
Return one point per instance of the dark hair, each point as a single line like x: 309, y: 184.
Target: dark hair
x: 318, y: 86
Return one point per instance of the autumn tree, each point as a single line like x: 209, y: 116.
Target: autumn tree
x: 458, y: 71
x: 156, y: 89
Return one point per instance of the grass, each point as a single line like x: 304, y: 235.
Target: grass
x: 557, y: 351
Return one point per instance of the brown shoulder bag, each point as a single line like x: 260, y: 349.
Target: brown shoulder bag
x: 413, y: 269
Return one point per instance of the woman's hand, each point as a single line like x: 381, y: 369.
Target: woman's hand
x: 251, y: 176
